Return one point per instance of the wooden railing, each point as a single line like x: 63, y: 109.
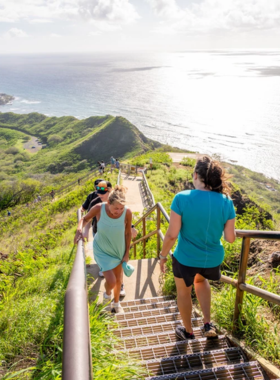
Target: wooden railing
x: 240, y: 283
x: 150, y: 197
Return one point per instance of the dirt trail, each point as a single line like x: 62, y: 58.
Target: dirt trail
x: 177, y: 157
x: 32, y: 145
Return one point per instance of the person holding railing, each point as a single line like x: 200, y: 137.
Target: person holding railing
x: 111, y: 244
x: 199, y: 217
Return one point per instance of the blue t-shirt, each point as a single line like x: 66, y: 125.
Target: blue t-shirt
x: 204, y: 215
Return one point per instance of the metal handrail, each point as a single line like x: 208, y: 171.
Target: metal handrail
x: 238, y: 283
x: 76, y: 361
x: 148, y: 190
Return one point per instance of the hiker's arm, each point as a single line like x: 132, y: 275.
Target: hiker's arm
x: 94, y: 211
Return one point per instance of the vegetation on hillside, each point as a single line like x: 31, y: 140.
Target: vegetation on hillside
x: 70, y: 146
x: 262, y: 190
x: 36, y: 259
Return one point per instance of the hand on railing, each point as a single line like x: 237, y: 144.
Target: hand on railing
x: 78, y: 236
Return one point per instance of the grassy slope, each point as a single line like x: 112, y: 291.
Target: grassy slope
x: 36, y: 259
x: 254, y: 184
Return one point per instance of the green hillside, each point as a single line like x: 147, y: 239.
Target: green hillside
x: 69, y: 144
x: 38, y: 153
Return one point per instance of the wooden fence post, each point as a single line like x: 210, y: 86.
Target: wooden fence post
x: 241, y: 280
x: 158, y: 228
x: 144, y: 241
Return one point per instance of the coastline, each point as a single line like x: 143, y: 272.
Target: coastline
x: 6, y: 99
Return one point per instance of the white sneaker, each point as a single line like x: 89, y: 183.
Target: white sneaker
x: 116, y: 308
x: 106, y: 298
x: 122, y: 292
x: 100, y: 274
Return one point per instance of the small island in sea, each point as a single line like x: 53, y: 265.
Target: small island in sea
x: 4, y: 99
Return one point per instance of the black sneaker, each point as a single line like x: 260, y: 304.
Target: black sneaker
x: 209, y: 330
x: 182, y: 334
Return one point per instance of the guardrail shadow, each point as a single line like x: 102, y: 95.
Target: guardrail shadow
x: 94, y: 282
x: 141, y: 290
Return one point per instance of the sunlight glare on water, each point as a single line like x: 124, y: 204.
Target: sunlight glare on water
x: 223, y: 102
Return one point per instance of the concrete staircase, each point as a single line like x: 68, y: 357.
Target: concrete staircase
x: 147, y: 332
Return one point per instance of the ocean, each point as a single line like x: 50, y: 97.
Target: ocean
x: 225, y: 103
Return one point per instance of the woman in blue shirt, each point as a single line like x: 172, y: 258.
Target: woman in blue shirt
x: 199, y: 218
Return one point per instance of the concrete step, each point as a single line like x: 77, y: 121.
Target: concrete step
x: 157, y: 319
x: 149, y: 306
x: 194, y: 362
x: 250, y: 370
x: 182, y: 347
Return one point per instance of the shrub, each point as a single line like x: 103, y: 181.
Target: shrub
x: 54, y: 139
x: 12, y: 150
x: 186, y: 161
x: 81, y: 165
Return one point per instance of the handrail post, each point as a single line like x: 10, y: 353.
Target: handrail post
x: 144, y: 241
x: 158, y: 228
x: 241, y: 280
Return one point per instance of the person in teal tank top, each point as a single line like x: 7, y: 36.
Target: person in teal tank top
x: 111, y: 244
x: 198, y: 218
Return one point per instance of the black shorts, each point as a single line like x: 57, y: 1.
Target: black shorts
x: 188, y: 273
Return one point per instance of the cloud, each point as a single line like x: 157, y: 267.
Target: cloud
x: 15, y: 33
x: 216, y: 15
x: 43, y: 11
x: 54, y: 35
x: 166, y: 8
x: 94, y: 33
x: 40, y: 21
x: 120, y: 11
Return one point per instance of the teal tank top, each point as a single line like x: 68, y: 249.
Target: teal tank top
x: 109, y: 241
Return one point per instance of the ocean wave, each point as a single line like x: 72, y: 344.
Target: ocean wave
x: 119, y: 70
x: 30, y: 101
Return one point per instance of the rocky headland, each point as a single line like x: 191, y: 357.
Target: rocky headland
x: 4, y: 99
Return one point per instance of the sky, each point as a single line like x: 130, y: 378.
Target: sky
x: 58, y: 26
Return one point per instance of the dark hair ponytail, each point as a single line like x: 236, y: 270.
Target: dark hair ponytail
x: 212, y: 174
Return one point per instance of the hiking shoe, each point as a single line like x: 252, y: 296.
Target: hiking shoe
x: 100, y: 274
x: 122, y: 292
x: 117, y: 308
x: 106, y: 298
x: 182, y: 334
x: 209, y: 330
